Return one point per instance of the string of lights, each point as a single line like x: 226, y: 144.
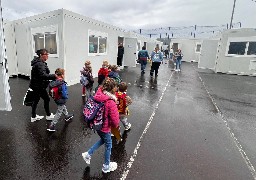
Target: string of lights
x: 186, y: 31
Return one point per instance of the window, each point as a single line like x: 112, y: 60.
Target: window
x: 251, y: 48
x: 45, y: 38
x: 198, y: 47
x: 241, y: 46
x: 97, y: 43
x: 237, y: 48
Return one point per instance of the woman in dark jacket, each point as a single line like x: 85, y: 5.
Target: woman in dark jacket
x: 40, y: 76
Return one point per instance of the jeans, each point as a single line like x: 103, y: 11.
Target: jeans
x: 171, y: 55
x: 105, y: 138
x: 143, y: 64
x: 178, y: 63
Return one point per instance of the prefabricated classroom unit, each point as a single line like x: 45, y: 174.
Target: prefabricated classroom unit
x: 207, y: 57
x: 71, y: 39
x: 5, y: 102
x: 133, y: 44
x: 190, y: 48
x: 236, y: 53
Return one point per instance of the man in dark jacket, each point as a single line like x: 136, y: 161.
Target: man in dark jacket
x: 40, y: 76
x: 120, y: 54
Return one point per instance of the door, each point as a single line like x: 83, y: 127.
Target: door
x: 130, y: 49
x: 5, y: 102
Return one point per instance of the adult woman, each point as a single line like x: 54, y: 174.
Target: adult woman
x: 178, y: 57
x: 40, y: 76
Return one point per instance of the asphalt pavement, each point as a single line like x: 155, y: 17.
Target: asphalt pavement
x: 192, y: 124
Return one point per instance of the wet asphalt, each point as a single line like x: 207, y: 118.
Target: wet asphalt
x: 193, y: 124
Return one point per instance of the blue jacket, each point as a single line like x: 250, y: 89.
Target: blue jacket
x: 143, y: 55
x: 64, y: 91
x: 156, y: 56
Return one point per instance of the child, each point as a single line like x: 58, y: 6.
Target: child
x: 63, y: 93
x: 123, y: 102
x: 106, y: 94
x: 102, y: 73
x: 87, y: 72
x: 114, y: 74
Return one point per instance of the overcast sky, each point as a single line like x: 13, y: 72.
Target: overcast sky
x: 142, y: 14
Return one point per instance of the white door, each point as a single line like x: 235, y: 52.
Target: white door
x: 5, y: 98
x: 130, y: 49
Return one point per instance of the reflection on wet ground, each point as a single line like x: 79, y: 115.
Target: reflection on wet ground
x: 28, y: 151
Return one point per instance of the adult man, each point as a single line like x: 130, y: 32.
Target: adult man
x: 120, y: 54
x: 143, y: 57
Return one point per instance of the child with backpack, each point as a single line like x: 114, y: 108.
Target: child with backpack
x: 123, y: 101
x: 87, y: 79
x: 58, y: 91
x: 114, y: 74
x: 106, y: 94
x: 102, y: 73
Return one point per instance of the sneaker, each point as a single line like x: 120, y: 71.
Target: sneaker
x: 111, y: 167
x: 126, y: 128
x: 86, y: 157
x: 51, y: 128
x: 50, y: 118
x: 176, y: 70
x: 83, y: 95
x: 37, y: 118
x: 68, y: 117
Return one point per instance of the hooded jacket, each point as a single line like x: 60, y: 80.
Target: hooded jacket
x: 156, y: 56
x: 63, y: 88
x: 111, y: 111
x: 40, y: 75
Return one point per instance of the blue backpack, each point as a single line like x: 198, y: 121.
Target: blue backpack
x: 83, y: 80
x: 94, y: 112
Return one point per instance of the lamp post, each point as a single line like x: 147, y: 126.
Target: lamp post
x: 232, y: 14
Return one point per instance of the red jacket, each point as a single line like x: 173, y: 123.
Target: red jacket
x: 103, y: 71
x: 111, y: 111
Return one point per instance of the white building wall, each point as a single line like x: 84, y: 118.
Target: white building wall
x: 24, y: 40
x: 235, y: 64
x: 208, y: 54
x: 10, y: 48
x: 188, y: 48
x: 76, y: 40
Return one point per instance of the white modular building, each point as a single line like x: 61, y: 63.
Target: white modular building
x: 207, y: 57
x: 236, y: 52
x: 71, y: 39
x: 190, y: 48
x: 5, y: 102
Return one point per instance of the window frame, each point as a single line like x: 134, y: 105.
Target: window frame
x: 99, y: 35
x: 199, y: 49
x: 44, y: 30
x: 240, y: 39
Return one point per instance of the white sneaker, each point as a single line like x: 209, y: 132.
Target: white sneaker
x: 176, y: 70
x: 37, y: 118
x: 111, y: 167
x: 86, y: 157
x: 127, y: 127
x: 50, y: 118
